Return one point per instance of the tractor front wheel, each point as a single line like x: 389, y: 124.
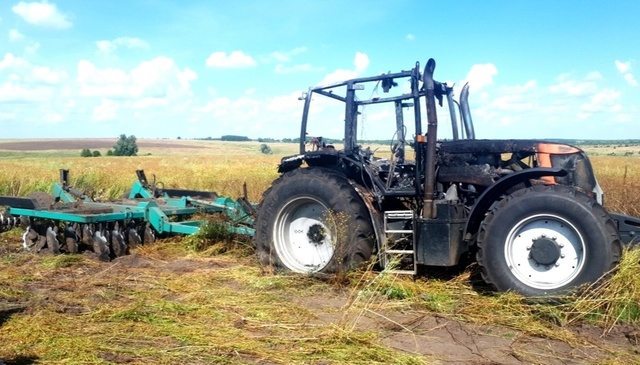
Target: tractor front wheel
x: 546, y: 240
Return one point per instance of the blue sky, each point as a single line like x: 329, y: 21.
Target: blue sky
x: 196, y: 68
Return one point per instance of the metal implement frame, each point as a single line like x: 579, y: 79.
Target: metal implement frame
x: 72, y: 206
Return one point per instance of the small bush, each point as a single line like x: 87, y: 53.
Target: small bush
x: 264, y: 148
x: 85, y: 153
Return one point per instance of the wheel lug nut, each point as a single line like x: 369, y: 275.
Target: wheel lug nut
x: 528, y: 248
x: 543, y: 235
x: 562, y: 256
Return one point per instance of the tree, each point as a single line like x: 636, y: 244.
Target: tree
x: 96, y: 153
x: 264, y: 148
x: 126, y: 146
x: 85, y: 153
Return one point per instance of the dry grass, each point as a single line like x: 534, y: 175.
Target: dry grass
x: 203, y: 302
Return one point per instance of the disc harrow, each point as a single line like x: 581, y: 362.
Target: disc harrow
x: 68, y: 220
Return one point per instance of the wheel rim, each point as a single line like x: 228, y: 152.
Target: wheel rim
x: 545, y: 251
x: 301, y: 237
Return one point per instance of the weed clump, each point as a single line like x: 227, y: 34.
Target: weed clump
x: 216, y: 236
x: 614, y: 299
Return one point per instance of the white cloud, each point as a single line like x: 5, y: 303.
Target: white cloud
x: 573, y: 87
x: 360, y: 63
x: 157, y: 78
x: 481, y: 75
x: 146, y: 103
x: 107, y: 110
x: 32, y: 49
x: 9, y: 61
x: 630, y: 79
x: 15, y: 35
x: 287, y: 56
x: 285, y: 103
x: 603, y: 101
x: 46, y: 75
x: 625, y: 69
x: 236, y: 59
x: 410, y: 37
x: 53, y: 118
x: 108, y: 47
x: 13, y: 91
x: 42, y: 14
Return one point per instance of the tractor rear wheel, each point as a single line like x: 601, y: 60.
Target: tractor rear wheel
x: 546, y: 240
x: 312, y: 220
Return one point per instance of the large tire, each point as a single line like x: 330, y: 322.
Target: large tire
x: 312, y: 220
x: 546, y: 240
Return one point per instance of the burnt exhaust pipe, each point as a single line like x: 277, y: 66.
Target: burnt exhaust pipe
x: 428, y: 207
x: 465, y: 112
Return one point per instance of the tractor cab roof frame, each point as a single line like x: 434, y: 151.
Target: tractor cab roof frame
x: 388, y: 81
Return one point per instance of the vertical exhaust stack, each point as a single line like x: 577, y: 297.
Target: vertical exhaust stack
x: 428, y: 207
x: 465, y: 112
x: 452, y: 112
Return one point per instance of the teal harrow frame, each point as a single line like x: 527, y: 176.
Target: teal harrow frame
x: 161, y: 208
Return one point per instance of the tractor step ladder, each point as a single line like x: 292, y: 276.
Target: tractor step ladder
x: 395, y: 218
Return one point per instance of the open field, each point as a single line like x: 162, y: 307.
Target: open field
x: 169, y: 303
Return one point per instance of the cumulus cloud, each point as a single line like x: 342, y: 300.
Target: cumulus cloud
x: 108, y: 47
x: 107, y: 110
x: 571, y: 87
x: 9, y: 61
x: 287, y: 56
x: 360, y: 63
x: 15, y: 35
x: 481, y: 75
x: 47, y: 75
x: 625, y: 69
x: 42, y: 14
x: 157, y: 78
x: 236, y: 59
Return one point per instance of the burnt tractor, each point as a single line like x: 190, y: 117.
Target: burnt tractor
x: 529, y: 212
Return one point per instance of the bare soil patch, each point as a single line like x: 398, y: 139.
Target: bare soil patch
x: 82, y: 143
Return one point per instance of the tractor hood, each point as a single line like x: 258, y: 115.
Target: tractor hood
x: 483, y: 161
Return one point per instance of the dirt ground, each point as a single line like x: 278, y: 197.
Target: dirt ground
x: 80, y: 143
x: 438, y: 339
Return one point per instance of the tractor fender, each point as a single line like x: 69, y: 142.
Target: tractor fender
x: 375, y: 216
x: 493, y: 193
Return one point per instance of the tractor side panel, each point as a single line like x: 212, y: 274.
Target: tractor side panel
x: 439, y: 241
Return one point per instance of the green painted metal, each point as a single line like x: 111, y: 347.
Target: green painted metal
x: 163, y: 213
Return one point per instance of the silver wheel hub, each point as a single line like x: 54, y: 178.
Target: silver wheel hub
x: 301, y: 237
x: 545, y: 251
